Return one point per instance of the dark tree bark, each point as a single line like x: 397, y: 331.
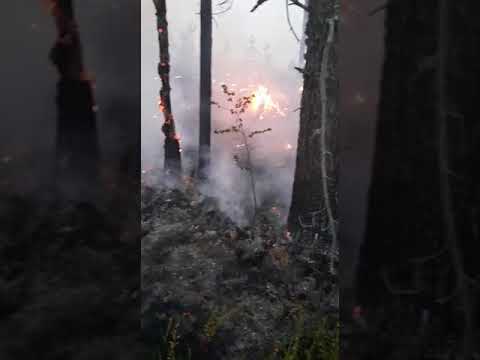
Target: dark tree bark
x: 172, y: 162
x: 424, y: 197
x: 77, y: 143
x: 301, y: 54
x: 314, y: 199
x: 205, y: 87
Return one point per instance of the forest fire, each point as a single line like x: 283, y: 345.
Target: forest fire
x: 263, y: 101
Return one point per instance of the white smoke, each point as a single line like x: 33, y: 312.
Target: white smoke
x: 249, y: 50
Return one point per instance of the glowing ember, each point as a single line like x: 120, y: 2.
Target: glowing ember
x: 161, y: 107
x: 264, y: 101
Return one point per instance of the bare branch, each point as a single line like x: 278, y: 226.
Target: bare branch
x: 290, y: 21
x: 299, y: 4
x: 228, y: 8
x: 259, y: 3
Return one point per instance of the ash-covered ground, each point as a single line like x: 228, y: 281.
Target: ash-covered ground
x: 69, y: 284
x: 228, y: 292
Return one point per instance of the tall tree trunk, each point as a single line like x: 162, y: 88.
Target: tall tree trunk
x: 205, y: 87
x: 314, y: 199
x: 301, y: 54
x: 425, y: 189
x: 172, y: 163
x: 77, y: 143
x: 448, y: 210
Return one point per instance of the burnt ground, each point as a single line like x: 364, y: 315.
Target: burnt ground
x: 69, y: 277
x: 229, y: 292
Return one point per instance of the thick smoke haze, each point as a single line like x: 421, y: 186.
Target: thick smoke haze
x: 28, y: 110
x: 249, y: 50
x: 359, y: 59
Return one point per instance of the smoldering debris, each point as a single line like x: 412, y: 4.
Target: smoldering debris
x: 198, y: 264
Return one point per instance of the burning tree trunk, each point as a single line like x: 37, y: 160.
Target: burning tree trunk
x: 172, y: 142
x: 77, y: 147
x: 205, y: 87
x: 314, y: 200
x: 424, y: 196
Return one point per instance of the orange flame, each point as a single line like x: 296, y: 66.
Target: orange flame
x: 161, y: 106
x: 263, y: 100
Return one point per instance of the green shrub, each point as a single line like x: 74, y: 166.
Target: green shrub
x: 168, y: 347
x: 322, y: 344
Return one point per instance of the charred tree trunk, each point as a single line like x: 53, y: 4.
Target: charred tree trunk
x: 205, y: 87
x: 314, y: 199
x: 172, y: 164
x: 77, y: 143
x: 424, y: 193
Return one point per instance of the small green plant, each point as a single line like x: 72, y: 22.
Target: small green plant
x: 211, y: 326
x: 214, y: 322
x: 294, y: 348
x: 323, y: 344
x: 238, y: 108
x: 170, y: 341
x: 171, y: 346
